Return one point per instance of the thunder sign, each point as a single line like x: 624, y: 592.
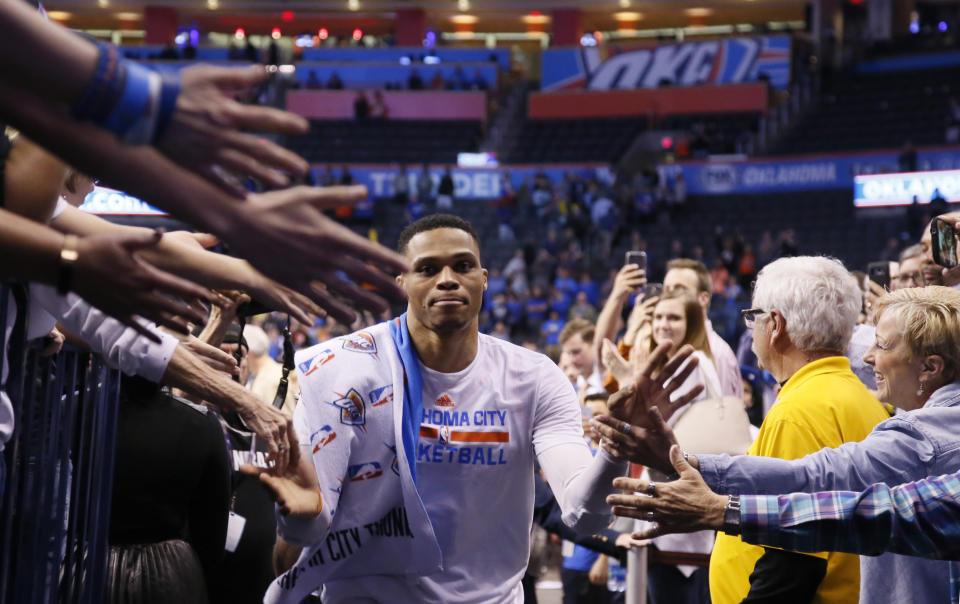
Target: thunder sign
x: 723, y: 61
x: 877, y: 190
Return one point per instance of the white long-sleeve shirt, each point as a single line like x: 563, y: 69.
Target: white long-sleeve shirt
x: 480, y: 433
x: 122, y: 347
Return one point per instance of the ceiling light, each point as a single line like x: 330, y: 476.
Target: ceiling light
x: 698, y: 12
x: 624, y: 3
x: 353, y: 4
x: 59, y: 15
x: 535, y: 18
x: 627, y: 16
x: 463, y: 5
x: 128, y: 16
x: 103, y: 3
x: 463, y: 19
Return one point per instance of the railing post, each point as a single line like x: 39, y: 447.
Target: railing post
x: 55, y: 508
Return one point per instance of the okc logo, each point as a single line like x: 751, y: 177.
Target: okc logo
x: 360, y: 342
x: 351, y: 409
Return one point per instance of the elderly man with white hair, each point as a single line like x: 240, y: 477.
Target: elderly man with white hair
x: 804, y: 311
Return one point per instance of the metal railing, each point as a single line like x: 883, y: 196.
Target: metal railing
x: 55, y: 507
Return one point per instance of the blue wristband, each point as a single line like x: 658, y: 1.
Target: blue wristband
x: 105, y: 72
x: 133, y: 119
x: 169, y: 92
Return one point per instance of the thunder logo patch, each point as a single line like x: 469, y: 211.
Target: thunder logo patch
x: 360, y: 342
x: 351, y: 409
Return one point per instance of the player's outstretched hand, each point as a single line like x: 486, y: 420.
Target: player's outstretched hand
x: 297, y: 491
x: 648, y: 446
x: 206, y: 132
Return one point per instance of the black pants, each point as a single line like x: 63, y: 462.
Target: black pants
x: 577, y: 588
x: 667, y: 585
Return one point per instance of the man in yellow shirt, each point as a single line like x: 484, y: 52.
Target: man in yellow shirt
x: 804, y: 312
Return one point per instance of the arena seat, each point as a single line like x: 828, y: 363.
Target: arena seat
x: 387, y: 141
x: 876, y: 111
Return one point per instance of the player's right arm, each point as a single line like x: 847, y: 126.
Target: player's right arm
x: 308, y: 494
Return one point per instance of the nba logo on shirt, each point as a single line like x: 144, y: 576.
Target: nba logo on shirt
x: 364, y: 471
x: 381, y: 396
x: 308, y: 367
x: 360, y: 342
x: 322, y: 437
x: 351, y: 409
x: 443, y: 434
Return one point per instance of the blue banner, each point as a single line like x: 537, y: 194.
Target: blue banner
x: 106, y: 201
x: 411, y: 55
x: 935, y: 60
x: 362, y: 75
x: 469, y: 184
x: 795, y: 174
x: 724, y: 61
x: 879, y: 190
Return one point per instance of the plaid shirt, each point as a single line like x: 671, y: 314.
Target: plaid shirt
x: 917, y: 519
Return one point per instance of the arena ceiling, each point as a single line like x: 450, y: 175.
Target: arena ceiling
x: 376, y: 16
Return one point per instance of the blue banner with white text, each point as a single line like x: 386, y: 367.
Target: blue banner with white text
x: 626, y: 67
x: 796, y: 174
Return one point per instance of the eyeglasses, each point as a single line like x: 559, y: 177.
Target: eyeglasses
x: 750, y: 316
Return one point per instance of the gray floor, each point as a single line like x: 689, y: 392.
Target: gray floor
x: 550, y: 596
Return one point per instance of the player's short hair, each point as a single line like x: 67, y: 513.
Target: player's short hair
x: 431, y: 223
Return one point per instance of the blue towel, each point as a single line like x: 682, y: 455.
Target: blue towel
x: 412, y: 391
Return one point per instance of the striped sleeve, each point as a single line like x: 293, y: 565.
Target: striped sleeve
x: 919, y: 519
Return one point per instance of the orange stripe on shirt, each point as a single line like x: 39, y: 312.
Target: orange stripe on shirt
x: 467, y: 437
x: 480, y: 437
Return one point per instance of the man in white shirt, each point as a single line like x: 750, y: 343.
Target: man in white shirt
x: 691, y: 276
x: 489, y: 409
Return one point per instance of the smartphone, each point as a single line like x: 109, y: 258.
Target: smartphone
x: 636, y: 257
x: 879, y: 273
x: 943, y: 240
x: 652, y: 290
